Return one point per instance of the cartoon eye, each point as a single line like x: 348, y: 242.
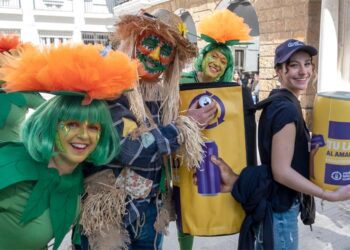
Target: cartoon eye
x: 166, y: 49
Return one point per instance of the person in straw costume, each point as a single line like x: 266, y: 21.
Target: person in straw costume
x: 41, y: 178
x: 152, y: 131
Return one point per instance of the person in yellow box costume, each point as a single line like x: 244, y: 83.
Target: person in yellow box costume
x: 215, y: 63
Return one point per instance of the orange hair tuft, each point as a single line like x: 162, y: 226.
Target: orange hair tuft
x: 8, y: 42
x: 224, y: 25
x: 75, y: 68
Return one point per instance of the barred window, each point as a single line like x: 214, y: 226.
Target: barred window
x: 95, y: 37
x: 48, y: 37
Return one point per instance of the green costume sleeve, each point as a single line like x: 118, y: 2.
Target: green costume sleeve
x: 52, y: 191
x: 188, y: 77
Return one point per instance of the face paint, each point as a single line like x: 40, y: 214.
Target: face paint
x: 76, y: 140
x: 214, y: 65
x: 155, y: 54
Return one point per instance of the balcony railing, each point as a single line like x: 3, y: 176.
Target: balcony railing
x: 11, y: 4
x: 54, y: 5
x: 92, y: 6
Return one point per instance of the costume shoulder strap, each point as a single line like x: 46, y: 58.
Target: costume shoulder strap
x: 283, y: 94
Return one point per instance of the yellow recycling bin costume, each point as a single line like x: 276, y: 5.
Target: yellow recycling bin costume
x: 220, y: 214
x: 332, y: 133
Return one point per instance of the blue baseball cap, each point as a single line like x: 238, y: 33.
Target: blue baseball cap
x: 286, y: 49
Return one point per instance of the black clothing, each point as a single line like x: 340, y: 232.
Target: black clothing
x: 253, y: 189
x: 274, y: 117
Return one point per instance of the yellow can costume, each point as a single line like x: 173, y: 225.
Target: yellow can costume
x: 332, y: 133
x: 219, y: 214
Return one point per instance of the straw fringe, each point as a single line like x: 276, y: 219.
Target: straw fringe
x: 103, y: 211
x: 131, y: 26
x: 191, y: 141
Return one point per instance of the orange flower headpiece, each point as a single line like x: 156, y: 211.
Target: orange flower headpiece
x: 8, y: 42
x: 76, y: 69
x: 225, y: 27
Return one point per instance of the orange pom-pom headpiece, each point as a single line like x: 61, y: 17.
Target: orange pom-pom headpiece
x: 70, y: 68
x: 225, y: 27
x: 8, y: 42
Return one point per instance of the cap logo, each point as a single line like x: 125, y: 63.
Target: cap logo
x: 296, y: 43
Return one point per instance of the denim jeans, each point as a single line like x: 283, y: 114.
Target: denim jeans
x: 144, y: 236
x: 285, y: 230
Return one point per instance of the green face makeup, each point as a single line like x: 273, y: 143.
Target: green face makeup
x: 214, y: 65
x: 75, y: 140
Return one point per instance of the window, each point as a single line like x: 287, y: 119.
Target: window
x: 54, y: 37
x: 95, y: 37
x: 10, y: 31
x: 239, y: 59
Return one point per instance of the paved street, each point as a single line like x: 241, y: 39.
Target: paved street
x: 330, y: 232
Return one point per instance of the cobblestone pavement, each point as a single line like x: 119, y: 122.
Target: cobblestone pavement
x: 331, y: 231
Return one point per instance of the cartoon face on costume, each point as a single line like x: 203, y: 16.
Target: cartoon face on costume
x: 155, y: 54
x: 75, y: 140
x: 214, y: 64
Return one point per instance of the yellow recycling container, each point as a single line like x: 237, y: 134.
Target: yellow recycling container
x: 331, y: 130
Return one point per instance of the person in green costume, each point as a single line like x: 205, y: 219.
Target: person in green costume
x: 214, y: 63
x: 41, y: 178
x: 14, y: 106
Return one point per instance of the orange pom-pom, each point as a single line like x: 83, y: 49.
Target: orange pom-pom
x: 8, y: 42
x: 75, y: 68
x: 224, y: 25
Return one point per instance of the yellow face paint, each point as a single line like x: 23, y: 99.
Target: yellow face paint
x: 76, y: 140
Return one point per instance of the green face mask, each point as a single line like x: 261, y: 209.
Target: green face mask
x: 155, y: 54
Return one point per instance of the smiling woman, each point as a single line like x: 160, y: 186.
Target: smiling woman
x: 41, y: 177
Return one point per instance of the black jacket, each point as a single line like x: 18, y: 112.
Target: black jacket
x: 252, y: 189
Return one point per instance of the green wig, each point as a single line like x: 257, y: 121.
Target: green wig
x: 226, y: 51
x: 39, y: 130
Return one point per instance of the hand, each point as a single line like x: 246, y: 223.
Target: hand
x: 228, y: 177
x: 341, y: 194
x: 202, y: 115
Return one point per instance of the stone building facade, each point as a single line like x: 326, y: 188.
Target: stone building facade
x: 278, y: 20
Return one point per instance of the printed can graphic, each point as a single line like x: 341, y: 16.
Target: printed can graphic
x: 331, y: 130
x: 208, y: 174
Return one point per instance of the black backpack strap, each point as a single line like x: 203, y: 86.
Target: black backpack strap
x: 285, y: 94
